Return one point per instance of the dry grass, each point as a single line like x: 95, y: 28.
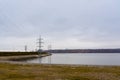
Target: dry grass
x: 57, y: 72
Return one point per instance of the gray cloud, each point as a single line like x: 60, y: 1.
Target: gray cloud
x: 94, y: 22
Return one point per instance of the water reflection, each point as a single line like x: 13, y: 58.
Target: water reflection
x: 78, y: 58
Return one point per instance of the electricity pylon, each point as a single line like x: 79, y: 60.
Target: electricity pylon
x: 25, y: 48
x: 39, y: 44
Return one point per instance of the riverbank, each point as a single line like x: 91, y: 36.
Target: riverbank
x: 10, y: 71
x: 20, y: 56
x: 20, y: 53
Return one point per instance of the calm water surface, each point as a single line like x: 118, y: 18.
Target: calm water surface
x: 80, y: 58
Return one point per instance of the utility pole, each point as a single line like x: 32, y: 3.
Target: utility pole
x: 25, y: 48
x: 49, y: 48
x: 39, y: 44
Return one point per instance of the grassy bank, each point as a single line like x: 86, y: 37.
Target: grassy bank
x: 57, y: 72
x: 21, y: 56
x: 19, y: 53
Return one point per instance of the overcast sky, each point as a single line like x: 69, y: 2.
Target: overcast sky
x: 64, y: 24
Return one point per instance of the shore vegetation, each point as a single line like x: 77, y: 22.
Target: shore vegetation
x: 10, y: 71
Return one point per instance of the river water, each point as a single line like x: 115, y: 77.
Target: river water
x: 80, y: 59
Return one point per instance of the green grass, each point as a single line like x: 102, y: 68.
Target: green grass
x: 57, y: 72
